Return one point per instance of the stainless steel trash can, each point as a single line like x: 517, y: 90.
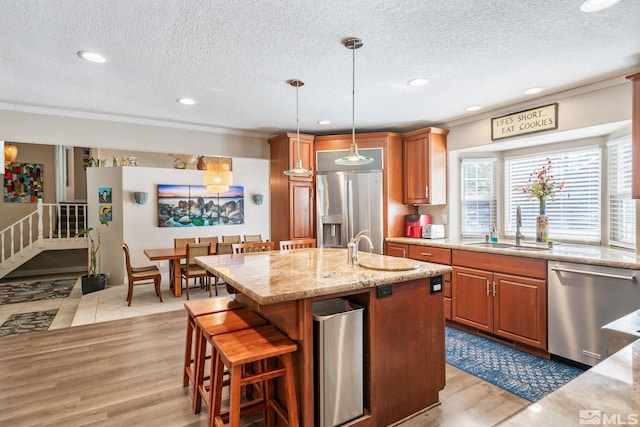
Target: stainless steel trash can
x: 338, y: 367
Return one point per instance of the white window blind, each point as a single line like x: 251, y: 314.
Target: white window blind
x: 575, y: 214
x: 622, y: 208
x: 479, y: 199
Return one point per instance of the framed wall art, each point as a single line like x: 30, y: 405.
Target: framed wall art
x: 194, y: 206
x: 23, y: 182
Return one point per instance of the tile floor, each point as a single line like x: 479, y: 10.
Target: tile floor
x: 105, y: 305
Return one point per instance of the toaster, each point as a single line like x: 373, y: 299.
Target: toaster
x: 433, y: 231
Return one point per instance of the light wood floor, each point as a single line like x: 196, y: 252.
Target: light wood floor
x: 128, y: 373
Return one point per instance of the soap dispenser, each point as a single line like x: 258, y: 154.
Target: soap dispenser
x: 493, y: 237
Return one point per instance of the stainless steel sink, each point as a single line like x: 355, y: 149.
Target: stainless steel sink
x: 509, y: 246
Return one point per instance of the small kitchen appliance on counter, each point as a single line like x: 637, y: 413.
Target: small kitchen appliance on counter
x: 433, y: 231
x: 413, y: 224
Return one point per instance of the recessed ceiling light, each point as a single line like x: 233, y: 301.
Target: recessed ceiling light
x: 473, y: 108
x: 421, y: 81
x: 597, y: 5
x: 532, y: 90
x: 323, y: 122
x: 185, y: 101
x: 92, y: 56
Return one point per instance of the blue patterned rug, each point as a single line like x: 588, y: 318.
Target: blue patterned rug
x: 523, y: 374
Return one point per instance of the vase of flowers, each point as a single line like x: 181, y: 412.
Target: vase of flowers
x: 541, y: 186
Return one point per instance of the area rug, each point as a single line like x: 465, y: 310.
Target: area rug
x: 522, y: 374
x: 12, y: 293
x: 23, y: 323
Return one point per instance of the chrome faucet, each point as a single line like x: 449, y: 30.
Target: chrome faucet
x: 352, y: 247
x: 519, y: 235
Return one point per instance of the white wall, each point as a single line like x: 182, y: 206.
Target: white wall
x: 137, y: 224
x: 578, y: 110
x: 146, y: 135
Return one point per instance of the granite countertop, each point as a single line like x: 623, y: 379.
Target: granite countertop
x: 277, y: 276
x: 583, y: 254
x: 608, y: 393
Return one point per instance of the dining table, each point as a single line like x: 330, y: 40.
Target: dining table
x: 174, y: 256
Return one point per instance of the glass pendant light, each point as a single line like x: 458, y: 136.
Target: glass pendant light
x: 298, y: 170
x: 353, y: 158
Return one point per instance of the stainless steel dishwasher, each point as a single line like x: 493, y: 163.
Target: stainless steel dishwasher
x: 581, y: 299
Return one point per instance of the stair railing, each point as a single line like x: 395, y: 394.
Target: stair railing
x: 62, y: 220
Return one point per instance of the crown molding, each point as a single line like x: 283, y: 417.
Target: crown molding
x: 77, y: 114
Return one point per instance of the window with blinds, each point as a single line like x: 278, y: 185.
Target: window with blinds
x: 622, y: 208
x: 575, y: 214
x: 479, y: 199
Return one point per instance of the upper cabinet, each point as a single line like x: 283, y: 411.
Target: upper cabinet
x: 425, y: 167
x: 292, y: 197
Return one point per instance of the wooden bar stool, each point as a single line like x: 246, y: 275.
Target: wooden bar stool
x: 195, y: 309
x: 209, y: 326
x: 236, y: 351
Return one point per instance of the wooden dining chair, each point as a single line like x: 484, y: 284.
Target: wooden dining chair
x: 193, y: 270
x: 213, y: 241
x: 179, y: 242
x: 140, y: 275
x: 297, y: 244
x: 248, y: 238
x: 231, y: 239
x: 213, y: 250
x: 224, y: 247
x: 243, y: 248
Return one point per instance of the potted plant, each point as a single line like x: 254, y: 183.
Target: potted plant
x: 93, y: 280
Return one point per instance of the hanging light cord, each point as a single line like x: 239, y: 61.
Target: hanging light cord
x: 298, y: 124
x: 353, y: 96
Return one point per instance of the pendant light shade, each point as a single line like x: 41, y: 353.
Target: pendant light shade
x: 10, y: 153
x: 297, y: 170
x: 353, y: 158
x: 218, y: 177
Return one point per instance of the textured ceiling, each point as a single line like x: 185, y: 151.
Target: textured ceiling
x: 235, y: 56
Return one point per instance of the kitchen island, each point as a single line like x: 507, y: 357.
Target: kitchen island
x: 404, y: 358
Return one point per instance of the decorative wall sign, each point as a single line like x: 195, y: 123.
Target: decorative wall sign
x: 23, y: 182
x: 193, y: 206
x: 524, y: 122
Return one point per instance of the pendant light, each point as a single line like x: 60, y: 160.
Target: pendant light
x: 298, y: 170
x: 218, y: 176
x: 10, y: 153
x: 353, y: 158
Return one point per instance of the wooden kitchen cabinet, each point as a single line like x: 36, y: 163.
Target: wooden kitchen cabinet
x: 635, y: 136
x: 300, y: 210
x: 398, y: 250
x: 424, y: 154
x: 502, y: 295
x: 292, y: 197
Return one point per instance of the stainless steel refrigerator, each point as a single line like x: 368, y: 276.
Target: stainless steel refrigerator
x: 348, y: 200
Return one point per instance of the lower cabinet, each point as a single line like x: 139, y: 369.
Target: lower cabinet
x: 506, y: 296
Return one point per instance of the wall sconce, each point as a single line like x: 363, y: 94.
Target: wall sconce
x: 257, y: 199
x: 10, y: 153
x: 140, y: 197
